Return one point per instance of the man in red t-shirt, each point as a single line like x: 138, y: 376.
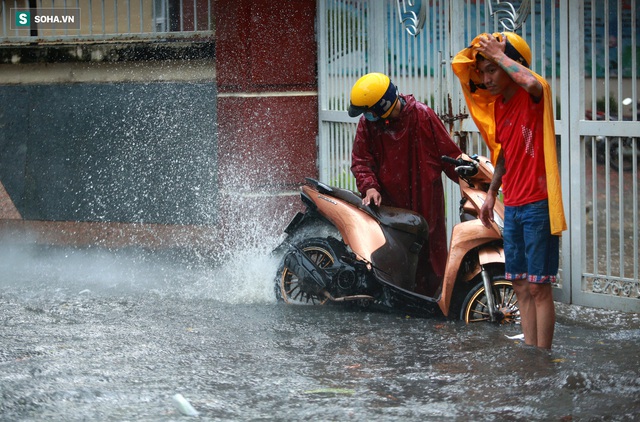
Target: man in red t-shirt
x: 531, y: 250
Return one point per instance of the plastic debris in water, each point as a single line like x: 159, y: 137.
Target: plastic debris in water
x: 184, y: 406
x: 516, y: 337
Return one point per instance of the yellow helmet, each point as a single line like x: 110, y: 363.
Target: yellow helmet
x: 516, y: 48
x: 373, y: 92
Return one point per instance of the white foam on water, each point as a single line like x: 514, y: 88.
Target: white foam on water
x: 246, y: 277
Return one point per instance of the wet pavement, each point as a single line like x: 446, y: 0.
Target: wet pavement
x: 97, y: 335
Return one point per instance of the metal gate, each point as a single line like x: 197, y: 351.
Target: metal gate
x: 596, y: 100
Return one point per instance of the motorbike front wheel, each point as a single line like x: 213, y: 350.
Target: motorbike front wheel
x: 475, y: 309
x: 288, y: 288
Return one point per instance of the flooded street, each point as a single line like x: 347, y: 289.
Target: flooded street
x: 96, y: 335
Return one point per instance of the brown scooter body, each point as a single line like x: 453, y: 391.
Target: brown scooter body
x: 376, y: 259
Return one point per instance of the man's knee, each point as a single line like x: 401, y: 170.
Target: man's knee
x: 521, y: 285
x: 541, y: 292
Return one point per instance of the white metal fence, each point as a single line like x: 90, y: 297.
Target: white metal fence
x: 598, y: 155
x: 605, y: 177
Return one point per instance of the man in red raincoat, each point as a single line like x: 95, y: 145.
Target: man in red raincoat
x: 396, y: 161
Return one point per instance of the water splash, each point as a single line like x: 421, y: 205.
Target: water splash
x: 140, y: 172
x: 253, y: 213
x: 32, y: 270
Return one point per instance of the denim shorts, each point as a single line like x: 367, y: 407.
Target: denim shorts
x: 531, y: 252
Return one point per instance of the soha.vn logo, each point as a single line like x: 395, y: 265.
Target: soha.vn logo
x: 47, y: 18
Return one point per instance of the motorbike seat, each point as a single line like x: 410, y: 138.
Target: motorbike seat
x: 397, y: 218
x: 401, y: 219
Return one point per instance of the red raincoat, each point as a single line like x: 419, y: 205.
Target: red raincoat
x: 401, y: 159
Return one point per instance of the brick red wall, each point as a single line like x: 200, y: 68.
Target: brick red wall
x: 267, y: 104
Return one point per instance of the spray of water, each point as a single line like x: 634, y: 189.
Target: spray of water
x: 253, y: 212
x: 240, y: 269
x: 141, y: 178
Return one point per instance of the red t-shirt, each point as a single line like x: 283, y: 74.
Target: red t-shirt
x: 519, y: 129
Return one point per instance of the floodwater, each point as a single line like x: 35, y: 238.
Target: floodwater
x: 90, y: 334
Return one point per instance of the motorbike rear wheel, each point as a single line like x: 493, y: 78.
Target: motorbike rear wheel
x: 475, y: 309
x: 288, y: 288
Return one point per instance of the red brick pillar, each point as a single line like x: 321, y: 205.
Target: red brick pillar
x: 267, y: 106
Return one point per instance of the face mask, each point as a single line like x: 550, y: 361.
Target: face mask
x: 370, y: 116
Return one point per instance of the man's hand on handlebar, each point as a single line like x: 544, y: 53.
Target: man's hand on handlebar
x: 372, y: 195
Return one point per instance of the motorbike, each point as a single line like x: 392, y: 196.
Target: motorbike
x: 339, y: 251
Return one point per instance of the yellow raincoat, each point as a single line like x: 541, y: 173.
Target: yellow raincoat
x: 481, y: 107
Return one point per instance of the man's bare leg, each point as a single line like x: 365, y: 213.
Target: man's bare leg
x: 545, y: 313
x: 527, y: 308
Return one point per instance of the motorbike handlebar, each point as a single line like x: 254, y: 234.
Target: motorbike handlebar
x: 454, y: 161
x: 463, y: 167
